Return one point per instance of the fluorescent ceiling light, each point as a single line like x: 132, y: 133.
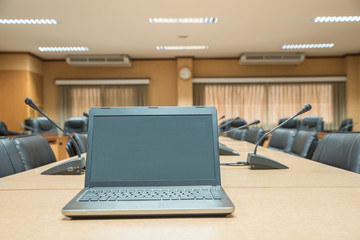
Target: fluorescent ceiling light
x: 337, y: 19
x: 63, y: 49
x: 305, y: 46
x: 28, y: 21
x: 183, y: 20
x: 181, y: 47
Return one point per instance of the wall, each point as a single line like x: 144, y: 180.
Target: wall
x: 20, y: 77
x: 162, y: 75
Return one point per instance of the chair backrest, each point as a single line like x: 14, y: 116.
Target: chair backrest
x: 76, y: 125
x: 238, y: 123
x: 254, y: 134
x: 293, y: 123
x: 225, y: 125
x: 346, y: 125
x: 10, y: 160
x: 40, y: 125
x: 239, y: 134
x: 3, y: 129
x: 313, y: 123
x: 304, y: 144
x: 339, y: 150
x: 81, y: 140
x: 282, y: 139
x: 35, y: 151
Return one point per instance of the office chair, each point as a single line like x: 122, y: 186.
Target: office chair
x: 76, y: 125
x: 35, y: 151
x: 10, y: 159
x: 252, y: 135
x: 5, y: 132
x: 239, y: 134
x: 304, y: 144
x: 293, y: 123
x: 81, y: 140
x: 340, y: 150
x: 313, y: 123
x: 282, y: 139
x: 40, y: 125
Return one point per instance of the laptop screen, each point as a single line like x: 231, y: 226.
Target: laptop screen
x: 152, y: 150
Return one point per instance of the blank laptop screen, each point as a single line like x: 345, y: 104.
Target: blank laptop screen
x: 152, y: 148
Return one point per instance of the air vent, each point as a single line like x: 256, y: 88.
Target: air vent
x: 271, y: 58
x: 99, y: 61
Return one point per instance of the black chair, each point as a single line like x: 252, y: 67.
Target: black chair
x: 81, y: 140
x: 5, y: 132
x: 346, y: 125
x: 313, y: 123
x: 304, y: 144
x: 238, y: 123
x: 76, y: 125
x: 293, y: 123
x: 40, y: 125
x: 340, y: 150
x: 35, y: 151
x: 239, y: 134
x: 253, y: 135
x: 10, y: 159
x: 225, y: 125
x: 282, y: 139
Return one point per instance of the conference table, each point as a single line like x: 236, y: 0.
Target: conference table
x: 307, y: 201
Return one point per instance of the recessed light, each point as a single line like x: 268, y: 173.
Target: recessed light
x: 305, y: 46
x: 181, y: 47
x: 183, y: 20
x: 63, y: 49
x: 337, y: 19
x: 28, y: 21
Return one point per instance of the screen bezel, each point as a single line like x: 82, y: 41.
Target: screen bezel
x: 153, y: 111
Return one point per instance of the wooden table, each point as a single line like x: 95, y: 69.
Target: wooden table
x: 307, y: 201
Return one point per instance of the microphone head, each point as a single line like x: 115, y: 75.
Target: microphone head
x: 28, y: 101
x: 256, y: 121
x: 307, y: 107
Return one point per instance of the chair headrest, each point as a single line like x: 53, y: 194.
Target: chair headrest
x: 44, y: 124
x: 76, y: 123
x: 312, y: 121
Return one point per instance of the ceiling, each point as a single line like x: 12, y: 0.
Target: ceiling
x: 122, y: 27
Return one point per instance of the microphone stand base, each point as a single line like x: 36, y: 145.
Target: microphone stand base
x: 73, y: 166
x: 260, y: 162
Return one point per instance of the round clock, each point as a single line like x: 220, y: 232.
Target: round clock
x: 185, y: 73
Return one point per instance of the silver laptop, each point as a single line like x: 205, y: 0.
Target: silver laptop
x: 151, y: 161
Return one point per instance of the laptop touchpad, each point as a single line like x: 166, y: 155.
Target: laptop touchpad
x: 137, y: 205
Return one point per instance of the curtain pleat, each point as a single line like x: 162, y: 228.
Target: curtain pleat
x: 75, y: 100
x: 271, y: 101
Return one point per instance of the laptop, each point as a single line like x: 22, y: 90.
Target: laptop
x: 151, y: 161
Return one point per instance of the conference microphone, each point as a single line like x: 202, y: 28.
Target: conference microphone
x: 85, y: 114
x: 241, y: 127
x: 347, y: 126
x: 222, y: 117
x: 261, y: 162
x: 73, y: 166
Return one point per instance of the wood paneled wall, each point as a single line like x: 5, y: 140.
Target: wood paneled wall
x: 22, y: 75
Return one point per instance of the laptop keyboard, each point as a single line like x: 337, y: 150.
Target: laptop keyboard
x: 95, y: 195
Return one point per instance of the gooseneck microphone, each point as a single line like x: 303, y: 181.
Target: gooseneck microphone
x: 241, y: 127
x: 77, y: 164
x: 347, y: 126
x: 260, y: 162
x: 222, y: 117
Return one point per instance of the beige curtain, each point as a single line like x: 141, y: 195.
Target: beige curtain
x: 75, y: 100
x: 231, y: 100
x: 272, y: 101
